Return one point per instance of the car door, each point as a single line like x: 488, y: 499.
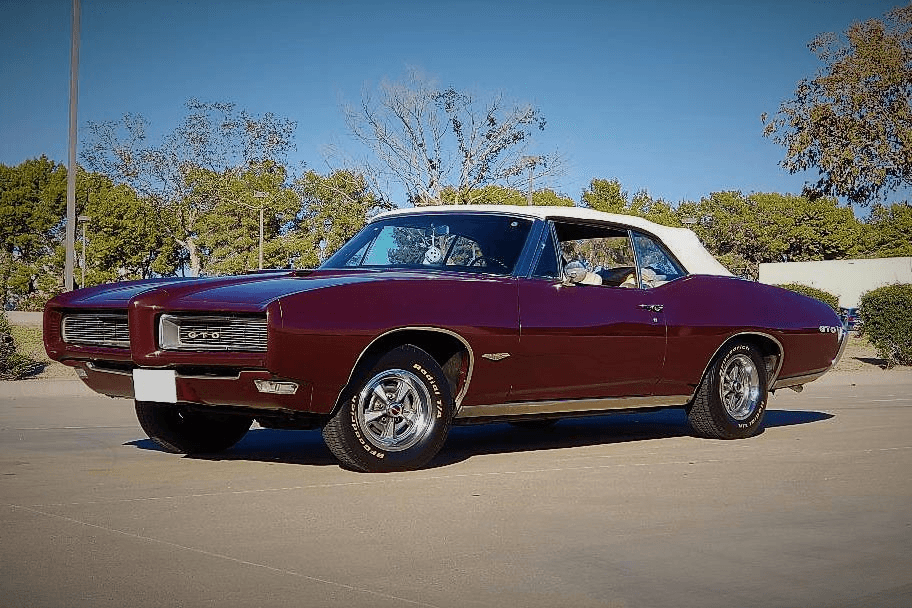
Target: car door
x: 602, y: 337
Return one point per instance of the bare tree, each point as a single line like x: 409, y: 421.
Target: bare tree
x: 428, y: 139
x: 191, y: 170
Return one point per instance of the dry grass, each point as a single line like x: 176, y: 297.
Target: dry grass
x: 29, y: 342
x: 859, y: 356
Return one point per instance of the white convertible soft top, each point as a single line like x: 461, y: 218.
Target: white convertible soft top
x: 683, y: 243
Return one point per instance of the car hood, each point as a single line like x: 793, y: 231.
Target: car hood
x: 247, y: 292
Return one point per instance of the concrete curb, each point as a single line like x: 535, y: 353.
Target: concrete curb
x: 25, y: 319
x: 44, y: 388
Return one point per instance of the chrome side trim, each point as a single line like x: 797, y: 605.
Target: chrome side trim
x: 797, y: 380
x: 457, y: 400
x: 119, y: 372
x: 773, y: 376
x: 210, y: 376
x: 570, y: 406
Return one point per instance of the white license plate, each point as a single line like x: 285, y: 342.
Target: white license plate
x: 155, y: 385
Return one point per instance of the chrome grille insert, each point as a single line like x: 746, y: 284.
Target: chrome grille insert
x: 213, y: 333
x: 97, y: 329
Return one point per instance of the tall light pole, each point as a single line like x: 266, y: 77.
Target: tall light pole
x: 261, y: 195
x: 531, y: 161
x: 83, y: 219
x: 70, y: 244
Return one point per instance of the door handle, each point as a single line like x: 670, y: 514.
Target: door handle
x: 652, y: 307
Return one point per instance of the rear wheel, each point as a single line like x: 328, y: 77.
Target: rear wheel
x: 731, y: 400
x: 394, y: 416
x: 181, y: 430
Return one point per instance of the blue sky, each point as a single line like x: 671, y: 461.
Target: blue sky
x: 665, y: 96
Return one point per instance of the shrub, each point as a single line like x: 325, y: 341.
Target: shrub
x: 13, y: 366
x: 887, y: 315
x: 812, y: 292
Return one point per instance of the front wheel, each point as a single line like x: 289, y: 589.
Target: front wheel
x: 731, y: 400
x: 394, y: 416
x: 183, y: 431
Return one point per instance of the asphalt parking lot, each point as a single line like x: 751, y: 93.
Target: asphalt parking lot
x: 627, y: 510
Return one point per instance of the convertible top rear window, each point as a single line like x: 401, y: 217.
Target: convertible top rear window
x: 463, y: 242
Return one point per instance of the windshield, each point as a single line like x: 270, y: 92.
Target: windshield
x: 462, y: 242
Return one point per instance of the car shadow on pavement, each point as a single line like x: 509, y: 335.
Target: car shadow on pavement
x: 467, y: 441
x: 267, y: 445
x: 464, y: 442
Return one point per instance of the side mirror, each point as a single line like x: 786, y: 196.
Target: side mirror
x: 574, y: 272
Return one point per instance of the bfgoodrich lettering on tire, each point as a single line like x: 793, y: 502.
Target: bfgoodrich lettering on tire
x: 394, y: 416
x: 731, y: 400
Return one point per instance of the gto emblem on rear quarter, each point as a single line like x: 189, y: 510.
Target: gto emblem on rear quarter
x: 829, y: 329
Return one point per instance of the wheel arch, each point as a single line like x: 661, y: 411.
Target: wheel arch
x: 770, y: 349
x: 451, y: 351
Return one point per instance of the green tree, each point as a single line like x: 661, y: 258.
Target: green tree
x: 605, y: 195
x: 32, y: 205
x: 853, y: 121
x: 745, y: 231
x: 500, y: 195
x: 334, y: 208
x: 889, y: 231
x: 229, y: 234
x: 124, y: 239
x: 610, y: 197
x: 193, y: 169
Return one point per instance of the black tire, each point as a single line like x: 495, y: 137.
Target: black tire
x: 394, y: 416
x: 536, y: 424
x: 731, y: 400
x: 183, y: 431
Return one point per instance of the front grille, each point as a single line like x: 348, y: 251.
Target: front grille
x: 213, y: 333
x: 97, y: 329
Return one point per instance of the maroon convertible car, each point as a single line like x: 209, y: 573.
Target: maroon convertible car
x: 436, y: 316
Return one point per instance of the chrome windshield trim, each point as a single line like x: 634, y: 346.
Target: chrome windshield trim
x: 571, y: 406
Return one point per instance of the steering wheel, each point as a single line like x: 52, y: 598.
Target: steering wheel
x: 489, y: 262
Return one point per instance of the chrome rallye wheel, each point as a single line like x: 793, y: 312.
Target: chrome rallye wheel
x: 394, y: 416
x: 739, y: 388
x: 394, y: 410
x: 731, y: 400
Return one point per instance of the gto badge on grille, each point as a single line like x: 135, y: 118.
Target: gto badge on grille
x: 205, y: 334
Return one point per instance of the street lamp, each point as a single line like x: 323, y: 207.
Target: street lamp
x: 83, y: 219
x: 531, y: 161
x: 261, y: 195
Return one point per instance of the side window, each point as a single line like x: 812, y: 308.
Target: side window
x: 656, y: 266
x: 547, y: 263
x: 605, y: 252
